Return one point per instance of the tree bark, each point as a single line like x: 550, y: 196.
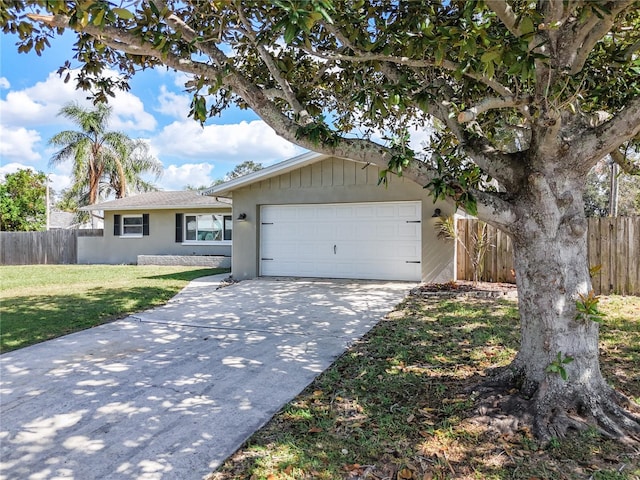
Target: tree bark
x: 550, y: 253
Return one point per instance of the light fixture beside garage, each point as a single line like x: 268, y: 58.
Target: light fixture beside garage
x: 436, y: 213
x: 242, y: 217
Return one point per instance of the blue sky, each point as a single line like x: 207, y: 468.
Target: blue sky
x: 156, y: 108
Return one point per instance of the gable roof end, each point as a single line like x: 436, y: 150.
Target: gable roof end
x: 225, y: 189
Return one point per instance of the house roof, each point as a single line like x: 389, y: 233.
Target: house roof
x: 61, y: 220
x: 187, y: 199
x: 225, y: 189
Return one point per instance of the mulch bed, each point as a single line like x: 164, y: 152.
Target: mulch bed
x: 463, y: 288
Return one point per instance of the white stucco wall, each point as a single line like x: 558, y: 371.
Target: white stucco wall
x: 111, y: 249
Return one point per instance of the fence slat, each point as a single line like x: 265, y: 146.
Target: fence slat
x: 612, y: 243
x: 32, y: 248
x: 594, y: 251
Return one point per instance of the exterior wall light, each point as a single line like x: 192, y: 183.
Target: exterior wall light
x: 436, y: 213
x: 242, y: 217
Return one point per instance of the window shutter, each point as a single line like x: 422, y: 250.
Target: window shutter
x: 145, y: 224
x: 178, y: 228
x: 116, y: 225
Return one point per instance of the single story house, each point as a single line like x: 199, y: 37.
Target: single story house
x: 319, y: 216
x: 161, y: 224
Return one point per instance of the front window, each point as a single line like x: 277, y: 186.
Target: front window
x: 132, y: 225
x: 207, y: 227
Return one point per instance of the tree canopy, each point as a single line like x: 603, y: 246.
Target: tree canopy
x: 23, y: 204
x: 523, y: 97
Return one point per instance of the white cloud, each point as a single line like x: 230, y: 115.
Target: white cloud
x: 173, y: 104
x: 129, y: 114
x: 39, y: 105
x: 57, y: 181
x: 18, y: 144
x: 176, y: 177
x: 13, y: 167
x: 4, y: 83
x: 231, y: 143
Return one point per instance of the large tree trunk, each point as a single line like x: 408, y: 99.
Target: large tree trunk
x: 550, y: 249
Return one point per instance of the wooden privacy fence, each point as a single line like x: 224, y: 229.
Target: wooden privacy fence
x: 613, y: 243
x: 32, y: 248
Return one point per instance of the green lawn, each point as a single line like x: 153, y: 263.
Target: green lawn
x: 395, y: 406
x: 40, y: 302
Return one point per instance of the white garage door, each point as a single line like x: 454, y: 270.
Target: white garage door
x: 344, y: 240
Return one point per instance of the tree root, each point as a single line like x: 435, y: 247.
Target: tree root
x: 507, y: 403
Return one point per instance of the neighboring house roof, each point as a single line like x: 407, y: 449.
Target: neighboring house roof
x: 186, y: 199
x: 225, y: 189
x: 61, y: 220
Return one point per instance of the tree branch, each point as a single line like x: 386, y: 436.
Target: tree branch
x: 591, y: 32
x: 495, y: 210
x: 505, y: 168
x: 600, y: 141
x: 627, y: 165
x: 362, y: 57
x: 487, y: 104
x: 506, y: 15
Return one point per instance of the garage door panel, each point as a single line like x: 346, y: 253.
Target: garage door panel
x: 373, y: 240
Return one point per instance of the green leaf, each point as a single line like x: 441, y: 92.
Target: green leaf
x: 490, y: 56
x: 123, y: 13
x: 526, y: 26
x: 290, y: 33
x: 98, y: 18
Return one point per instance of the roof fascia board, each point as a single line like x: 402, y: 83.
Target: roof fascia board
x: 154, y: 207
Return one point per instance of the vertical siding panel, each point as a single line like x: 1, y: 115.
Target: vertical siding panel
x: 372, y: 175
x: 327, y: 172
x: 350, y: 172
x: 316, y: 174
x: 295, y: 179
x: 338, y: 171
x: 305, y: 176
x: 361, y: 174
x: 285, y: 181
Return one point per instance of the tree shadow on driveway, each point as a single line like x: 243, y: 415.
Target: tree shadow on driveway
x: 171, y: 392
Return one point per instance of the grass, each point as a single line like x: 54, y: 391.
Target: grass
x: 394, y: 407
x: 40, y: 302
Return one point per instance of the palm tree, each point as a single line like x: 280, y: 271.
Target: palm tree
x: 127, y: 175
x: 104, y: 162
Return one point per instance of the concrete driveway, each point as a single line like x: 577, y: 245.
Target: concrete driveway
x: 171, y: 392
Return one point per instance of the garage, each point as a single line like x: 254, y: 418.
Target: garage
x: 373, y: 240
